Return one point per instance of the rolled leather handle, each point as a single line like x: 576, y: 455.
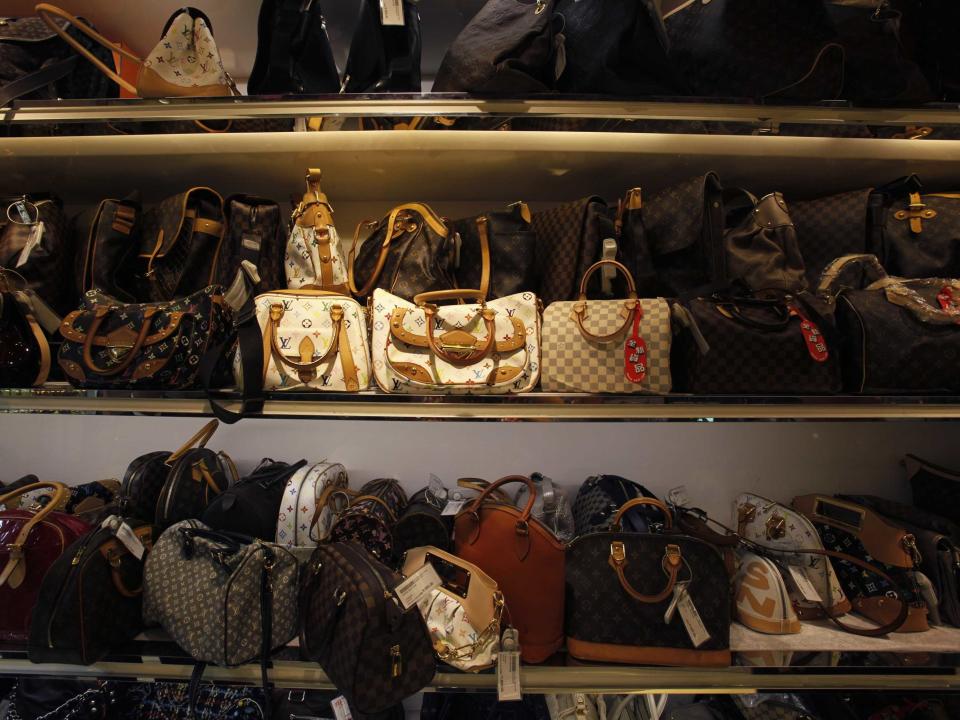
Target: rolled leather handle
x: 270, y: 333
x: 421, y: 299
x: 619, y: 267
x: 199, y: 440
x: 475, y: 356
x: 99, y: 316
x: 495, y: 486
x: 672, y: 562
x: 16, y: 556
x: 637, y: 502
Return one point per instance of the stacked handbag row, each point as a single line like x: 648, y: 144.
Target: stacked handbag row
x: 703, y: 289
x: 378, y: 587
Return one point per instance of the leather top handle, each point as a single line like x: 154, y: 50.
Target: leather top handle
x: 15, y: 570
x: 731, y: 309
x: 99, y: 316
x: 620, y: 267
x: 270, y: 340
x: 637, y: 502
x: 522, y: 541
x: 426, y: 298
x: 200, y: 440
x: 630, y: 306
x: 460, y: 355
x: 478, y: 485
x: 671, y: 563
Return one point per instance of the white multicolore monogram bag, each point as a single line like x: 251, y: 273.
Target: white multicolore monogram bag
x: 473, y: 348
x: 310, y: 504
x: 314, y: 256
x: 607, y: 346
x: 312, y: 340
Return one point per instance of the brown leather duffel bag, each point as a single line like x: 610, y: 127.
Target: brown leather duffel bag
x: 526, y: 561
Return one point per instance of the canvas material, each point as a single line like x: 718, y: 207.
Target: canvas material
x: 450, y: 629
x: 800, y: 534
x: 298, y: 506
x: 187, y: 55
x: 571, y: 363
x: 310, y: 317
x: 761, y: 594
x: 302, y: 258
x: 448, y: 378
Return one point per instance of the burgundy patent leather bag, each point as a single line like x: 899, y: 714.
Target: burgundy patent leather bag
x: 30, y: 540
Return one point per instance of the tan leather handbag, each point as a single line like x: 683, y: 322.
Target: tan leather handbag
x: 526, y: 561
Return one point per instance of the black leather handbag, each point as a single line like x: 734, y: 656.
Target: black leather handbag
x: 408, y: 252
x: 26, y: 326
x: 384, y: 58
x: 755, y: 346
x: 107, y: 238
x: 497, y: 252
x: 352, y: 624
x: 294, y: 55
x: 621, y: 588
x: 90, y: 599
x: 252, y: 505
x: 508, y: 48
x: 421, y: 524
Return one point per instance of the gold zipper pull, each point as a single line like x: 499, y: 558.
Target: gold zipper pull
x: 396, y: 662
x: 76, y: 558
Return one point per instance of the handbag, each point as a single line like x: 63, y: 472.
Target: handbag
x: 294, y: 55
x: 934, y: 488
x: 314, y: 255
x: 293, y: 324
x: 158, y: 346
x: 107, y: 238
x: 424, y: 348
x: 525, y: 560
x: 385, y: 50
x: 251, y: 506
x: 312, y: 499
x: 463, y: 614
x: 763, y: 602
x: 195, y: 476
x: 25, y: 321
x: 937, y: 542
x: 496, y: 252
x: 38, y: 65
x: 757, y: 50
x: 550, y: 506
x: 861, y: 533
x: 253, y: 235
x: 351, y: 623
x: 369, y: 518
x: 745, y: 344
x: 616, y: 47
x: 34, y: 243
x: 600, y: 498
x: 90, y: 502
x: 36, y: 538
x: 224, y: 598
x: 181, y: 243
x: 90, y: 599
x: 896, y: 333
x: 421, y: 524
x: 612, y: 346
x: 184, y: 63
x: 620, y: 592
x: 410, y: 251
x: 569, y: 239
x: 510, y: 47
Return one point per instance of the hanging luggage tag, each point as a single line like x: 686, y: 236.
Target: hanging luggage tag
x: 508, y: 667
x: 33, y: 241
x: 125, y: 534
x: 692, y: 621
x: 816, y: 344
x: 949, y: 302
x: 635, y: 351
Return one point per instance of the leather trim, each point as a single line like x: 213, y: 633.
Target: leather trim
x: 151, y: 248
x: 884, y: 610
x: 71, y: 333
x: 150, y: 85
x: 786, y: 626
x: 634, y: 655
x: 515, y: 342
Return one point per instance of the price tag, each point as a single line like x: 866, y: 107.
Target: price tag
x: 36, y: 233
x: 341, y: 711
x: 412, y: 590
x: 125, y: 534
x: 436, y: 488
x: 678, y: 496
x: 21, y: 208
x: 453, y: 507
x: 391, y: 12
x: 803, y: 584
x: 688, y: 614
x: 508, y: 667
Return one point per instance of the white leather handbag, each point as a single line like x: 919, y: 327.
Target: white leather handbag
x: 471, y: 348
x: 313, y: 340
x: 314, y: 256
x: 310, y: 504
x: 607, y: 346
x: 763, y: 601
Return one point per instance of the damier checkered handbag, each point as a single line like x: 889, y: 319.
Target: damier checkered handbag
x: 612, y: 346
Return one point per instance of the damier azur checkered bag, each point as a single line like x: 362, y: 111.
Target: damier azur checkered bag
x: 613, y: 346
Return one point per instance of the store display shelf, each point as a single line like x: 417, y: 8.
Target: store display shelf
x: 693, y: 109
x: 537, y: 406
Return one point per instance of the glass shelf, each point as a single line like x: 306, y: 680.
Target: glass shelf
x: 536, y: 406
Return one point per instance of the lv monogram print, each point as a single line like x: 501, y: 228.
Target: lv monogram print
x: 302, y: 261
x: 297, y: 524
x: 187, y: 55
x: 402, y: 364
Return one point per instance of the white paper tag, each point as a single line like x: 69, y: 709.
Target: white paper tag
x: 803, y: 584
x: 453, y: 507
x: 391, y: 12
x: 341, y: 710
x: 678, y: 496
x: 691, y: 619
x: 36, y: 233
x: 508, y: 676
x: 125, y: 534
x: 436, y: 488
x: 412, y: 590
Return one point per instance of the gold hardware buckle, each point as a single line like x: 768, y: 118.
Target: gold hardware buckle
x: 618, y: 552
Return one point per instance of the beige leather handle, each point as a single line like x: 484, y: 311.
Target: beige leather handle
x: 45, y: 10
x: 630, y: 306
x: 492, y: 489
x: 425, y: 298
x: 483, y: 223
x: 270, y: 335
x: 637, y: 502
x: 200, y: 440
x: 620, y: 267
x: 672, y: 562
x: 462, y: 358
x: 479, y: 485
x: 15, y: 569
x: 99, y: 316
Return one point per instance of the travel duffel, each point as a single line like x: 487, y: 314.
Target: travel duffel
x: 313, y: 497
x: 251, y: 505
